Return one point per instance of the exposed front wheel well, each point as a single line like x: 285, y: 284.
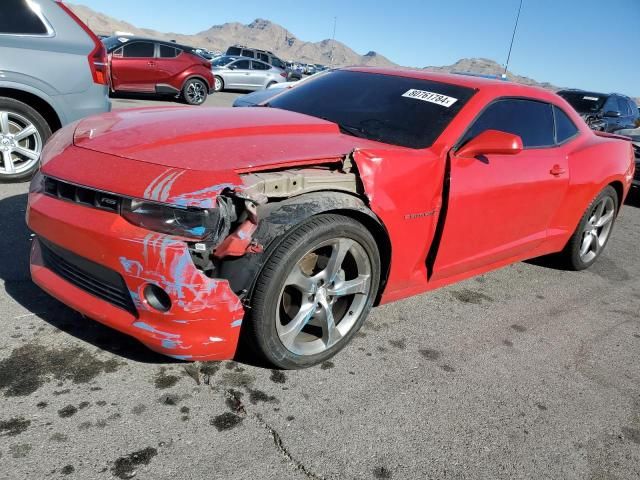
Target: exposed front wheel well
x: 36, y: 103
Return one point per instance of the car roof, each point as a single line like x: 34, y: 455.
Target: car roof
x: 147, y: 39
x: 492, y: 85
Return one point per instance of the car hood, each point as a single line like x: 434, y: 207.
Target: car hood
x: 216, y: 139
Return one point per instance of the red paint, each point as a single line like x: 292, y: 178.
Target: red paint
x: 517, y: 204
x: 144, y: 74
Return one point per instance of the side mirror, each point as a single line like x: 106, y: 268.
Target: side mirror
x: 232, y: 67
x: 611, y: 114
x: 491, y: 142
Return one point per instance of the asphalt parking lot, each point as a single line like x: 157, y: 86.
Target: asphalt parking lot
x: 526, y: 372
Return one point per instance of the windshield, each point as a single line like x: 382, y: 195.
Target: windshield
x: 584, y: 102
x: 396, y: 110
x: 222, y: 61
x: 111, y: 43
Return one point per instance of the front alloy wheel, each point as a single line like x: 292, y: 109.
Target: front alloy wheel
x: 323, y: 296
x: 314, y: 292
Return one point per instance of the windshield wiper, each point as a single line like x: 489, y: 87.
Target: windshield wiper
x: 351, y: 130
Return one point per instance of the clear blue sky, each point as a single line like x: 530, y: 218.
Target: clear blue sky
x: 590, y: 44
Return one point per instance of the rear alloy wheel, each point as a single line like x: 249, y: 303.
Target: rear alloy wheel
x: 194, y: 92
x: 218, y: 84
x: 593, y: 232
x: 315, y: 292
x: 23, y: 132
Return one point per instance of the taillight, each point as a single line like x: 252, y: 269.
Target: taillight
x: 98, y: 56
x: 283, y: 74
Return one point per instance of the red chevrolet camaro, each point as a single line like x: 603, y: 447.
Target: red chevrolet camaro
x: 183, y: 227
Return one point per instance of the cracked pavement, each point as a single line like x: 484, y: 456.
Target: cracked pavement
x: 525, y: 372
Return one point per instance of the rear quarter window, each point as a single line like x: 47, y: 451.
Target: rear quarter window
x: 17, y: 17
x: 565, y: 128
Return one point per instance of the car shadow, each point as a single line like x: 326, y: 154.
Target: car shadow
x: 15, y: 245
x: 124, y: 97
x: 633, y: 199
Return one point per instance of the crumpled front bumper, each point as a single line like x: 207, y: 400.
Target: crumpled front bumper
x: 204, y: 320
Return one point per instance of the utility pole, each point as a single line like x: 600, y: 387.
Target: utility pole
x: 515, y: 27
x: 333, y: 40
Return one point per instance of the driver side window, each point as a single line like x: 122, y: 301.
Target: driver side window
x: 529, y: 119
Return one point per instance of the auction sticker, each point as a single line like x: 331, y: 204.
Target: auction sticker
x: 430, y: 97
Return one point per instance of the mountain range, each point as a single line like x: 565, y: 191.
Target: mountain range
x: 267, y: 35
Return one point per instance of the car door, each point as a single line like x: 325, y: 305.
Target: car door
x: 500, y: 206
x: 133, y: 67
x: 169, y: 63
x: 259, y: 74
x: 238, y: 75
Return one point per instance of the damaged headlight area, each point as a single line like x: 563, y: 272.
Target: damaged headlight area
x: 191, y: 223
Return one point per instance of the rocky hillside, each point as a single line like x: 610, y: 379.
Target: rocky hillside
x: 270, y: 36
x: 484, y: 66
x: 260, y: 33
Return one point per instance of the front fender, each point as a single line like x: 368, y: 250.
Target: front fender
x: 276, y: 220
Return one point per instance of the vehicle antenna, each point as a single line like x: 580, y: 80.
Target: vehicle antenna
x: 515, y: 27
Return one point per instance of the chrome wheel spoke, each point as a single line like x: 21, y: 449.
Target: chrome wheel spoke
x: 4, y: 123
x: 330, y: 332
x: 299, y: 280
x: 599, y: 211
x: 339, y: 250
x: 586, y: 244
x: 25, y: 133
x: 605, y: 219
x: 8, y: 162
x: 350, y: 287
x: 30, y: 154
x: 289, y: 332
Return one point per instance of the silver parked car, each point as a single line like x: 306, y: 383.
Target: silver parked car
x: 52, y: 72
x: 241, y: 73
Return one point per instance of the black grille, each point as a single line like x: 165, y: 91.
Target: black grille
x: 82, y: 195
x: 95, y: 279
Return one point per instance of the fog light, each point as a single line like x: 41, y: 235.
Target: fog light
x: 157, y: 298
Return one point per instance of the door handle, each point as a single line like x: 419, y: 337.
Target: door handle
x: 557, y: 170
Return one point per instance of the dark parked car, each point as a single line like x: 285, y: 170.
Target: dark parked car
x: 144, y: 65
x: 52, y: 72
x: 606, y: 112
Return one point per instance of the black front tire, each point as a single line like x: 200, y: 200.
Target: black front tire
x: 261, y: 332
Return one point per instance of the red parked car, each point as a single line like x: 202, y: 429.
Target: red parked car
x: 143, y: 65
x: 364, y: 186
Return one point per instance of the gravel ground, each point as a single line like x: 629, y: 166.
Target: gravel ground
x: 526, y: 372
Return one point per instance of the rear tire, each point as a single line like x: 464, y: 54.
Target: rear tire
x: 194, y: 92
x: 218, y: 84
x: 593, y: 232
x: 322, y: 278
x: 23, y: 133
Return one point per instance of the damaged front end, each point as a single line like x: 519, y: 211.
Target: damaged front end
x: 247, y: 214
